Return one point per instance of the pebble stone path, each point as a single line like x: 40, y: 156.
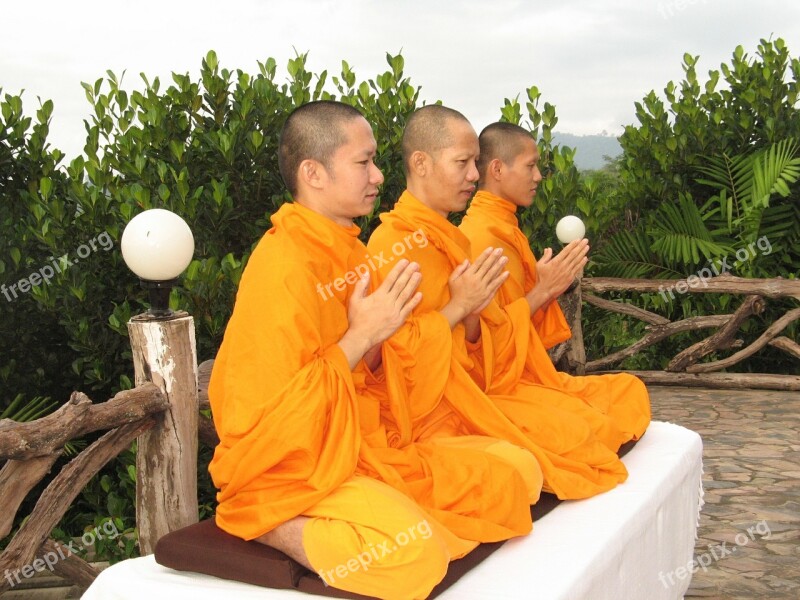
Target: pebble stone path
x: 751, y: 456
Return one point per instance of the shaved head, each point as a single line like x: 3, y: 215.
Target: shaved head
x: 428, y: 130
x: 504, y: 141
x: 313, y: 131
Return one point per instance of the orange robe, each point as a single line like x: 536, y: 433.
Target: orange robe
x: 623, y: 398
x: 299, y: 434
x: 433, y: 372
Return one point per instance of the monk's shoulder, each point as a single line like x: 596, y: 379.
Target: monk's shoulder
x: 278, y: 259
x: 388, y: 232
x: 474, y: 229
x: 472, y: 223
x: 483, y: 233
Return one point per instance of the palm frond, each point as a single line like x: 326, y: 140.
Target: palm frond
x: 627, y: 254
x: 727, y: 172
x: 733, y: 176
x: 747, y: 181
x: 21, y: 411
x: 780, y: 221
x: 774, y: 170
x: 680, y: 234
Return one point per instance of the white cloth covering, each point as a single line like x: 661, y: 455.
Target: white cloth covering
x: 630, y: 542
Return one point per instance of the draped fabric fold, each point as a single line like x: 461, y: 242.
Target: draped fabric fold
x: 295, y: 423
x: 492, y: 221
x: 619, y: 403
x: 480, y: 393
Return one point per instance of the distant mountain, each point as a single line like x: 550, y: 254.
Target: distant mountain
x: 590, y: 149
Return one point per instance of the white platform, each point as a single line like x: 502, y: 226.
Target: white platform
x: 620, y: 545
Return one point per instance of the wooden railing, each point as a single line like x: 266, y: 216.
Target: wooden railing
x: 685, y: 368
x: 161, y: 413
x: 31, y: 449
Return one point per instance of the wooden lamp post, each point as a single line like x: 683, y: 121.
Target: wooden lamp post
x: 568, y: 229
x: 157, y: 245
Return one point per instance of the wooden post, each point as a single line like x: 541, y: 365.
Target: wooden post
x: 575, y: 355
x: 166, y: 461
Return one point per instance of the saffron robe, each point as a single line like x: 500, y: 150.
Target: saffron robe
x: 491, y: 222
x: 435, y: 376
x: 298, y: 434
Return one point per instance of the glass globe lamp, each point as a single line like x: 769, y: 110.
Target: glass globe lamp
x: 157, y: 245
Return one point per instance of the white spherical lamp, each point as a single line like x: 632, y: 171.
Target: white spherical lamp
x: 570, y: 228
x: 157, y: 245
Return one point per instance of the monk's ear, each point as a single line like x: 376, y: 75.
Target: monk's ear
x: 495, y: 170
x: 311, y: 173
x: 418, y: 163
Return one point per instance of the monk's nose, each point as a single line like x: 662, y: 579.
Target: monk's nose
x: 473, y: 175
x: 377, y: 176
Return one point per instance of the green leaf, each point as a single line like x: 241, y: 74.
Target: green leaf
x: 177, y: 149
x: 211, y: 60
x: 163, y: 192
x: 45, y: 186
x: 397, y: 63
x: 782, y: 188
x: 363, y: 91
x: 271, y: 66
x: 89, y: 92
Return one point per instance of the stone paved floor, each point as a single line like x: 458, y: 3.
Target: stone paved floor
x: 751, y: 454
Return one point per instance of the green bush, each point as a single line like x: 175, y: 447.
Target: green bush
x: 25, y: 161
x: 712, y: 171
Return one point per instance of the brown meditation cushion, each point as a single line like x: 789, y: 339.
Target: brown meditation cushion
x: 205, y: 548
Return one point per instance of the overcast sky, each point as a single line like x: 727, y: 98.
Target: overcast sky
x: 591, y: 58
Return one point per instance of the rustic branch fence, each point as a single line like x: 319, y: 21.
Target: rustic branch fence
x: 31, y: 449
x: 685, y: 368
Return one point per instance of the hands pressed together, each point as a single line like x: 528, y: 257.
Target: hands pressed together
x: 374, y: 317
x: 473, y: 285
x: 556, y: 273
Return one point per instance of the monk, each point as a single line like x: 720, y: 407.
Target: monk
x: 306, y: 463
x: 509, y: 177
x: 442, y: 364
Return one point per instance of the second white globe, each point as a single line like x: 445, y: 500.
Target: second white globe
x: 570, y: 228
